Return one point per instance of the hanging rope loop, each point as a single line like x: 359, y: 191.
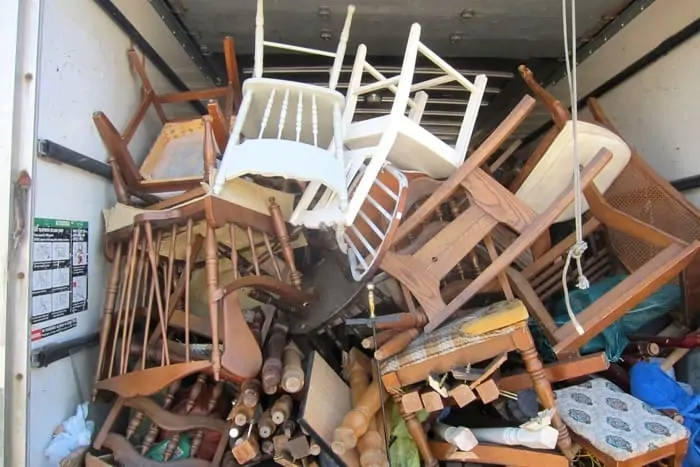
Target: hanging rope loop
x: 579, y: 248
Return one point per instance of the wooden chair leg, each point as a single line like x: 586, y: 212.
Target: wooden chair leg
x: 108, y: 314
x: 415, y: 429
x: 533, y: 365
x: 681, y: 450
x: 212, y: 273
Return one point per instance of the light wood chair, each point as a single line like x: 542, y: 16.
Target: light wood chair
x: 671, y: 256
x: 174, y: 162
x: 439, y: 352
x: 438, y: 249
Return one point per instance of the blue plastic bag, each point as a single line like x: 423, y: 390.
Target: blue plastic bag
x: 650, y: 384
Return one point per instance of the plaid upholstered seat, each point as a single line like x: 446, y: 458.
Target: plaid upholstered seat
x: 449, y: 337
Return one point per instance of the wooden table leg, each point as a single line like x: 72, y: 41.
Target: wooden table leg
x: 542, y: 387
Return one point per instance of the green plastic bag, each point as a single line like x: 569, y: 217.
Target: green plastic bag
x: 403, y: 451
x: 182, y: 451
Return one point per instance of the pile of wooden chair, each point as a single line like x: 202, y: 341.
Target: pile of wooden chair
x: 217, y: 297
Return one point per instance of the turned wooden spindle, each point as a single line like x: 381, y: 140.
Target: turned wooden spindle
x: 272, y: 367
x: 256, y: 324
x: 544, y: 392
x: 314, y: 448
x: 192, y: 397
x: 281, y: 409
x: 271, y: 256
x: 265, y: 425
x: 209, y: 152
x: 286, y: 244
x: 383, y: 337
x: 153, y: 428
x: 370, y: 445
x: 125, y: 301
x: 357, y: 421
x: 250, y: 392
x: 415, y: 429
x: 396, y: 344
x: 253, y: 251
x: 213, y: 401
x: 242, y: 414
x: 108, y: 314
x: 211, y: 249
x: 405, y: 321
x: 293, y: 373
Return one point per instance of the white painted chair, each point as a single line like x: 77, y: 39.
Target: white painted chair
x: 408, y: 145
x: 285, y: 128
x: 338, y: 56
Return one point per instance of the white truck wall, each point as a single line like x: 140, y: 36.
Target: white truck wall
x: 84, y: 68
x: 658, y: 111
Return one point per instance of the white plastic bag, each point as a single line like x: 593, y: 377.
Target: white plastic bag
x: 72, y: 434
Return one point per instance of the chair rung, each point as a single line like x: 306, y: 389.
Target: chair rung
x: 364, y: 241
x: 379, y: 208
x: 386, y: 189
x: 372, y: 225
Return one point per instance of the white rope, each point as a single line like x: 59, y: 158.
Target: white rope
x: 577, y: 250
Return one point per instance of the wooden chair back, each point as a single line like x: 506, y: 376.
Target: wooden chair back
x: 153, y: 279
x: 132, y: 447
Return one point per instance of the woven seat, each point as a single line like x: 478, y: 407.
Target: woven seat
x: 616, y: 423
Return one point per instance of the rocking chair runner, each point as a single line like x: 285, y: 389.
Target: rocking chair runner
x: 420, y: 271
x: 172, y: 164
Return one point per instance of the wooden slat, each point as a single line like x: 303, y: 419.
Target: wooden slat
x: 558, y: 371
x: 198, y: 95
x: 618, y: 301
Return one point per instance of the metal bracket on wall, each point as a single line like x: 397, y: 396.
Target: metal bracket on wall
x: 61, y: 154
x: 131, y: 31
x: 185, y: 39
x: 52, y: 353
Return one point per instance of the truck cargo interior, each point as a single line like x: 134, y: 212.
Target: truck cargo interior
x: 357, y: 233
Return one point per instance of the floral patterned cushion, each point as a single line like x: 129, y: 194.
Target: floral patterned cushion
x: 616, y: 423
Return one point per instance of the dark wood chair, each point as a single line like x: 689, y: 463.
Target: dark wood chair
x: 173, y: 163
